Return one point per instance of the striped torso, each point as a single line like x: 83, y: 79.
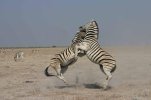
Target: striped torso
x: 97, y: 55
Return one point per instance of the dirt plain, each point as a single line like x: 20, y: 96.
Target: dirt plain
x: 25, y: 80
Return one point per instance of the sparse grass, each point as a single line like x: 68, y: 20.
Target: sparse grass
x: 26, y: 80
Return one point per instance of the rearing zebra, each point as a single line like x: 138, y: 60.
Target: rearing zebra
x: 65, y: 58
x: 94, y: 52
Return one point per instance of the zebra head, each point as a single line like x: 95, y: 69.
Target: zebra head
x: 80, y: 35
x: 90, y: 27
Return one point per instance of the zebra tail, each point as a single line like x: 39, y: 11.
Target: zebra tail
x: 48, y: 74
x: 113, y: 69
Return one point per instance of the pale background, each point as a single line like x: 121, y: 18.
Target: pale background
x: 54, y: 22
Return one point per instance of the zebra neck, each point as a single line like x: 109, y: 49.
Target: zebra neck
x: 73, y: 47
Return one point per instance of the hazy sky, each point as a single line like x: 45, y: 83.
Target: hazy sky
x: 54, y: 22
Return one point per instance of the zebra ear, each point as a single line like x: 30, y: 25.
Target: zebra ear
x: 93, y: 22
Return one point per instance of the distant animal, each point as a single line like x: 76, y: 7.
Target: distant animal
x: 94, y: 52
x: 19, y: 56
x: 62, y: 60
x: 35, y: 51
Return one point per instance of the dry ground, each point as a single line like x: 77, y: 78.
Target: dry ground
x: 25, y: 80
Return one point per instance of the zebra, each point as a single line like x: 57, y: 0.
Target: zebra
x: 62, y: 60
x: 19, y: 56
x: 95, y: 53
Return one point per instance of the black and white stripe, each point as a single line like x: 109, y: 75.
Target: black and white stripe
x: 62, y: 60
x: 80, y: 35
x: 95, y: 53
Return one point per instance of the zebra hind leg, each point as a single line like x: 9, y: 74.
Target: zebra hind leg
x: 64, y: 69
x: 59, y: 74
x: 107, y: 72
x: 109, y: 77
